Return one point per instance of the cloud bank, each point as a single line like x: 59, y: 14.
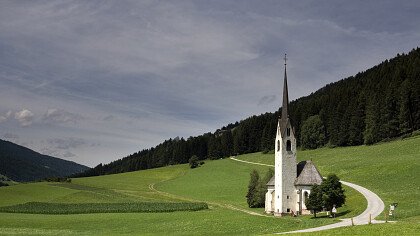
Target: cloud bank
x: 126, y: 75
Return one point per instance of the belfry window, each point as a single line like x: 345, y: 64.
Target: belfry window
x: 288, y: 146
x: 288, y: 132
x: 278, y: 145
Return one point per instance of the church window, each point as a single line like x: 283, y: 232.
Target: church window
x: 278, y: 145
x: 288, y: 146
x: 288, y: 210
x: 288, y: 132
x: 288, y: 197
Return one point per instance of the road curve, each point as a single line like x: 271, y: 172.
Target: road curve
x: 374, y: 207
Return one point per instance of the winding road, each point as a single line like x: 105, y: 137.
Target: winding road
x: 374, y: 207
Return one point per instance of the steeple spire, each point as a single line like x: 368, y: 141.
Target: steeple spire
x: 285, y: 107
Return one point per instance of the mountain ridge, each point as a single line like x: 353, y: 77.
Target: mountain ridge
x: 21, y: 164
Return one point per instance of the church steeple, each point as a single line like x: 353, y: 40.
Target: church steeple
x: 285, y: 107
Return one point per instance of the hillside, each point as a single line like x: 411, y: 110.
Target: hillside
x: 22, y: 164
x: 378, y: 104
x: 223, y: 185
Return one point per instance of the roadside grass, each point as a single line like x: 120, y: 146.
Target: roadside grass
x: 410, y: 226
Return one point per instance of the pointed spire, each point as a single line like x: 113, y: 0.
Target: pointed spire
x: 285, y: 107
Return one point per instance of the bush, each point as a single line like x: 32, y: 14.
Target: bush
x: 193, y: 162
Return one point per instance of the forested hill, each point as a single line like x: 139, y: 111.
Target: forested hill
x: 378, y: 104
x: 22, y: 164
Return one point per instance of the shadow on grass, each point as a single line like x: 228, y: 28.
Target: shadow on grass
x: 324, y: 215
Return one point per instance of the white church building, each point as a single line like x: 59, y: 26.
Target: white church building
x: 292, y: 181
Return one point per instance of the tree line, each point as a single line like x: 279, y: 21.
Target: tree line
x: 378, y: 104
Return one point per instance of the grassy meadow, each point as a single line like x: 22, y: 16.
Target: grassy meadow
x: 388, y: 169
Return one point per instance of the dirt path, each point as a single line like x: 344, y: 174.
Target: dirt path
x: 374, y: 207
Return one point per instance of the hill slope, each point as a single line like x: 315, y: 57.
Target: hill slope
x: 388, y: 169
x: 23, y: 164
x: 377, y: 104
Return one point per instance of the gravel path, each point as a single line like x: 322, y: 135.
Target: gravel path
x: 374, y: 207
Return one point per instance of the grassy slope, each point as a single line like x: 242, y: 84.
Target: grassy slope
x: 389, y: 169
x: 134, y: 186
x: 222, y: 182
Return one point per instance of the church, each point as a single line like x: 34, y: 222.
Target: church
x: 292, y: 181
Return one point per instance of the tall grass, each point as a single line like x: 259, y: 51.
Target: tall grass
x: 86, y: 208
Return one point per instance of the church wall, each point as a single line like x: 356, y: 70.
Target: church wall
x: 301, y: 197
x: 285, y: 171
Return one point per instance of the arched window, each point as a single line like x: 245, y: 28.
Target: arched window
x: 288, y: 146
x: 278, y: 145
x: 288, y: 132
x: 305, y: 196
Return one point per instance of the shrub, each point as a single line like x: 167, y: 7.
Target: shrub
x: 193, y: 162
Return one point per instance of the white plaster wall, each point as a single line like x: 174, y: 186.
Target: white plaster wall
x: 268, y: 201
x: 285, y: 172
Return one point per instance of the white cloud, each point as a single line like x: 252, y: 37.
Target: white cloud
x: 4, y: 118
x: 25, y: 117
x: 61, y: 116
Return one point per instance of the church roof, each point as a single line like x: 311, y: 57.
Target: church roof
x: 284, y: 120
x: 271, y: 182
x: 307, y: 174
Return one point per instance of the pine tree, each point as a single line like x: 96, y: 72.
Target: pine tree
x: 312, y: 134
x: 332, y: 192
x: 315, y: 201
x: 252, y: 195
x: 372, y: 134
x: 405, y: 116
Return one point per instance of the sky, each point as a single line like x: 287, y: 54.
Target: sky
x: 94, y: 81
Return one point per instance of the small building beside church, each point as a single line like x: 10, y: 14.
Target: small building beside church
x: 292, y: 181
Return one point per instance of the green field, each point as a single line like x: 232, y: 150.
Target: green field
x: 388, y: 169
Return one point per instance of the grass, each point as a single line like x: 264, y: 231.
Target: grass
x: 388, y: 169
x: 391, y: 170
x: 87, y: 208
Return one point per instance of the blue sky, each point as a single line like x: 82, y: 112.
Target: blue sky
x: 94, y: 81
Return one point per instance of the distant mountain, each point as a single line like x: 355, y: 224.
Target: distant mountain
x: 22, y: 164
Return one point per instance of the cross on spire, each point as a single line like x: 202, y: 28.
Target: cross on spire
x: 284, y: 110
x: 285, y: 59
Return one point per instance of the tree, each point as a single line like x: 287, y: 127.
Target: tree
x: 257, y: 188
x: 315, y: 202
x: 262, y: 187
x: 332, y: 192
x: 193, y: 162
x: 312, y: 133
x: 252, y: 196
